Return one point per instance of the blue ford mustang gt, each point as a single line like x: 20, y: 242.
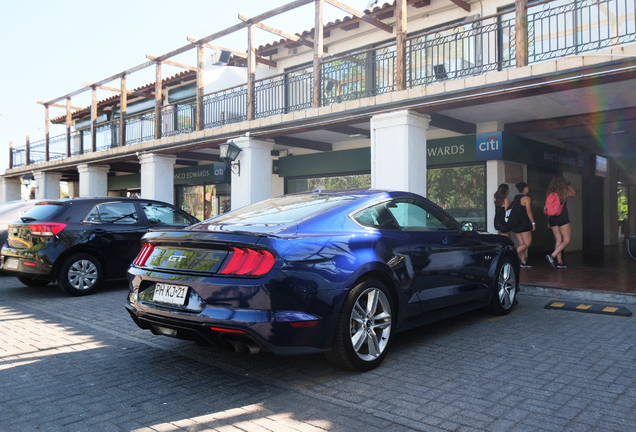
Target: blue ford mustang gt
x: 334, y: 272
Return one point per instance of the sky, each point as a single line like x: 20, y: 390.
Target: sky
x: 49, y: 48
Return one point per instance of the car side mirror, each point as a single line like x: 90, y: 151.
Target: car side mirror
x: 468, y: 226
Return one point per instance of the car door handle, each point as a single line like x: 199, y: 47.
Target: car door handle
x: 99, y: 231
x: 422, y: 250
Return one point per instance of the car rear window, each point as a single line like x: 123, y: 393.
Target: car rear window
x: 283, y: 210
x: 43, y: 211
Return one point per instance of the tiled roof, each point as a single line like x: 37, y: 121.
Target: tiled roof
x: 333, y: 25
x: 114, y: 100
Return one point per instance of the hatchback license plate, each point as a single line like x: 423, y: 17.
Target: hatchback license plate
x: 11, y: 264
x: 172, y: 294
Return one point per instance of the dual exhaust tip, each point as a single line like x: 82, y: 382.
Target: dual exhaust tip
x: 244, y: 347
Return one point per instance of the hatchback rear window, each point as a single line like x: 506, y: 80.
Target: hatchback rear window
x: 43, y: 211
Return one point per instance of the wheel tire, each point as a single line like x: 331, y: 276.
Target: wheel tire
x: 81, y: 274
x: 505, y: 288
x: 35, y: 283
x: 363, y: 332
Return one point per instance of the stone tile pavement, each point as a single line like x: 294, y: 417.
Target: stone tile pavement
x: 80, y: 364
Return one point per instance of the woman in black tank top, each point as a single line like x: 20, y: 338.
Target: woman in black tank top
x: 501, y: 205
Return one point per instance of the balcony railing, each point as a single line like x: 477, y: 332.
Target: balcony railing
x: 227, y: 106
x: 555, y: 29
x: 590, y: 25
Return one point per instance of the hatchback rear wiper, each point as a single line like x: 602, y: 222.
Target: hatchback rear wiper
x: 27, y: 219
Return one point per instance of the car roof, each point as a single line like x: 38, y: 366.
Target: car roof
x: 98, y: 200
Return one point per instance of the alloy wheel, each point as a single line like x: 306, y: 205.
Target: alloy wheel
x: 370, y: 324
x: 82, y: 275
x: 507, y: 286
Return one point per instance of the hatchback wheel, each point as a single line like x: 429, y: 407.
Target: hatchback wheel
x: 81, y: 274
x: 505, y: 288
x: 35, y: 283
x: 365, y: 327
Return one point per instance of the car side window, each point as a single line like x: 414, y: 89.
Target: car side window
x: 114, y: 213
x: 376, y: 217
x: 414, y: 215
x: 158, y: 214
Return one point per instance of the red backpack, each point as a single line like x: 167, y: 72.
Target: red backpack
x: 553, y: 205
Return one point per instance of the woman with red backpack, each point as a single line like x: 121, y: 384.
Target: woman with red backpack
x: 558, y: 219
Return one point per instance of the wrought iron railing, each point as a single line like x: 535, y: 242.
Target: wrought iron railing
x: 77, y: 143
x: 555, y: 29
x: 107, y: 136
x: 18, y: 156
x: 283, y: 93
x: 358, y: 76
x: 462, y: 50
x: 226, y: 106
x: 558, y: 29
x: 178, y: 119
x: 140, y: 128
x: 37, y: 152
x: 57, y: 147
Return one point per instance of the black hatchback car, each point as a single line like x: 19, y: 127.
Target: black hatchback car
x: 81, y: 242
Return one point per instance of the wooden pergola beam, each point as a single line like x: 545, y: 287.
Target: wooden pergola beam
x: 289, y: 6
x: 364, y: 17
x: 236, y: 27
x: 173, y: 63
x: 234, y: 52
x: 58, y: 106
x: 281, y: 33
x: 117, y: 90
x: 462, y: 4
x: 104, y: 81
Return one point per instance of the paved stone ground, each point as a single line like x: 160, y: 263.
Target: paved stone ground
x: 80, y: 364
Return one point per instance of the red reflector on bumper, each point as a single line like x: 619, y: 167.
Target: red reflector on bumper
x: 303, y: 323
x: 226, y: 330
x: 28, y: 264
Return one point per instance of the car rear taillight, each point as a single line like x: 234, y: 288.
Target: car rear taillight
x: 248, y: 262
x: 47, y: 229
x: 146, y: 250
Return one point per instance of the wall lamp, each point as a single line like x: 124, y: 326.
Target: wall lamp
x: 26, y: 180
x: 229, y: 153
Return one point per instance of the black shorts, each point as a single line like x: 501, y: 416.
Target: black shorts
x: 524, y: 226
x: 560, y: 220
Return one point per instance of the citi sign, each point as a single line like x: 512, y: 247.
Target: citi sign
x: 489, y: 146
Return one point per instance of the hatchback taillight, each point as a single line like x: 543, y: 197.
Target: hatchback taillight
x: 146, y: 251
x: 247, y: 262
x: 47, y: 229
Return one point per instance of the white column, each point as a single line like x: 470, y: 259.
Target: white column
x: 47, y: 185
x: 278, y: 183
x: 157, y: 177
x: 73, y: 189
x: 254, y: 183
x: 494, y: 126
x: 93, y: 180
x: 9, y: 189
x: 398, y: 151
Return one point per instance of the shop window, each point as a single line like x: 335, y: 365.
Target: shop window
x: 461, y: 191
x: 203, y: 201
x: 357, y: 181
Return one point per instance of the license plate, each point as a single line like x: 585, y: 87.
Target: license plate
x: 172, y: 294
x: 11, y: 264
